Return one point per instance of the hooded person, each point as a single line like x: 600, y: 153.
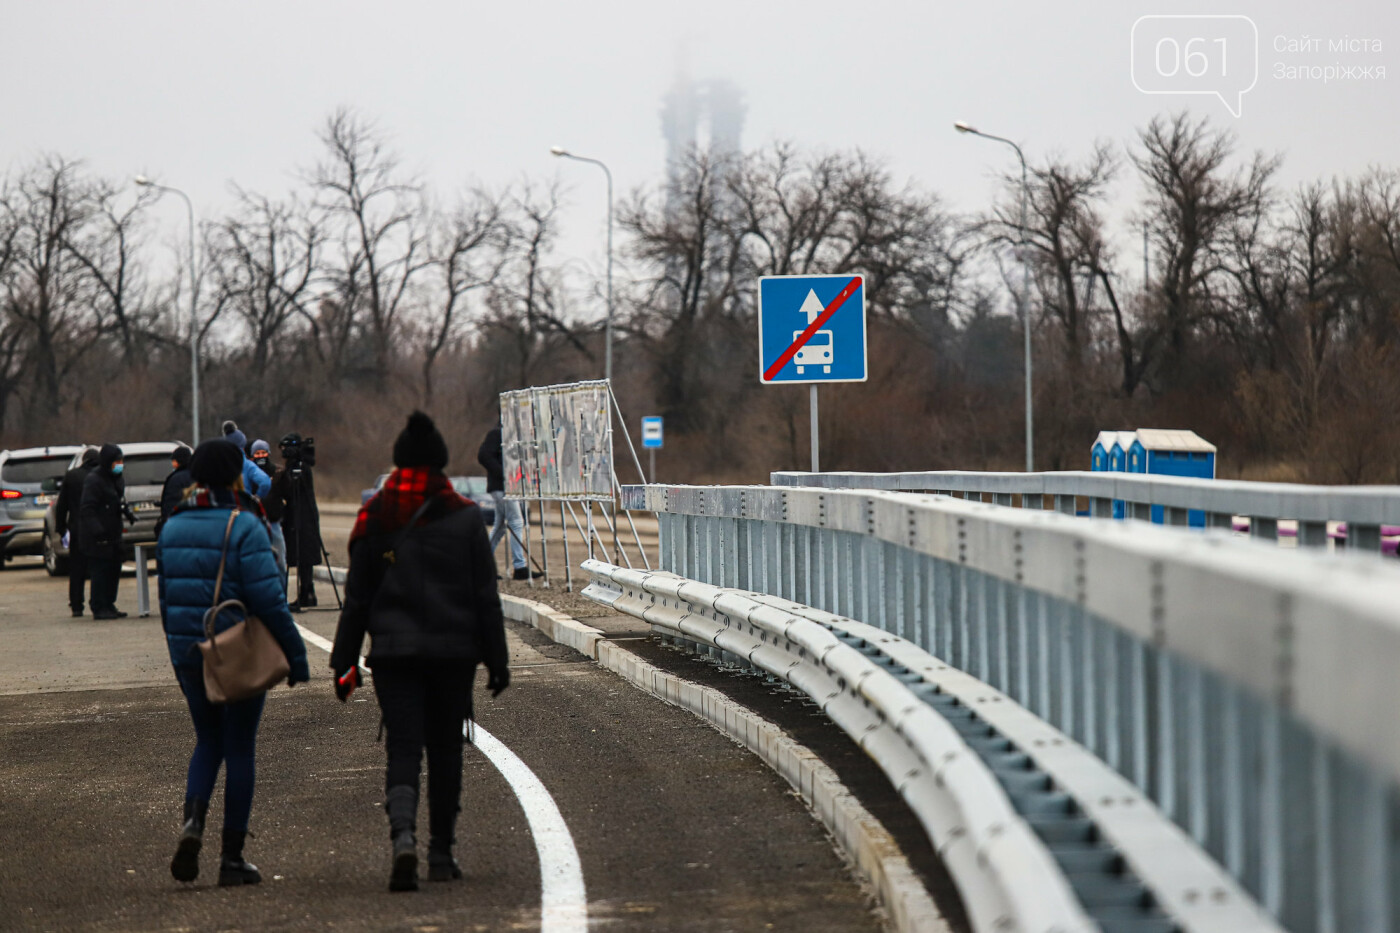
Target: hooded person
x: 255, y: 481
x: 218, y: 522
x: 100, y: 517
x: 176, y: 482
x: 422, y: 585
x: 262, y: 459
x: 68, y: 521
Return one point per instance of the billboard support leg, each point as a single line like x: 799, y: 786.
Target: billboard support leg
x: 544, y: 542
x: 568, y: 568
x: 627, y: 434
x: 525, y: 510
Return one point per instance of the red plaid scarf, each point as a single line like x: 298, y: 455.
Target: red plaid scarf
x: 404, y: 491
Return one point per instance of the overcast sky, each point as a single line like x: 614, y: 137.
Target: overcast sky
x: 200, y: 95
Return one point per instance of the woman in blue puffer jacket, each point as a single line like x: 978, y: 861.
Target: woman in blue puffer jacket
x: 188, y: 563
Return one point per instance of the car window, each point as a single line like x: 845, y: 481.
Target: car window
x: 149, y: 470
x: 32, y: 469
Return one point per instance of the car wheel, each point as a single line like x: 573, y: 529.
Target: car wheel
x: 55, y: 565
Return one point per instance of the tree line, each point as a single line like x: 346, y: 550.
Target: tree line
x: 1265, y: 318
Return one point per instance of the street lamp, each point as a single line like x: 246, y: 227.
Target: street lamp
x: 963, y: 127
x: 608, y: 327
x: 144, y: 182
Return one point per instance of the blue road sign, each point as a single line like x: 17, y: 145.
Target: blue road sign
x: 811, y: 328
x: 651, y: 432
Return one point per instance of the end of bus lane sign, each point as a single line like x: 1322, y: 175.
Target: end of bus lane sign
x: 811, y: 328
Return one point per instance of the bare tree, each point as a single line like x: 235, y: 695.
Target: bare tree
x: 105, y: 243
x: 45, y: 288
x: 1192, y: 202
x: 382, y: 243
x: 263, y: 262
x: 469, y: 250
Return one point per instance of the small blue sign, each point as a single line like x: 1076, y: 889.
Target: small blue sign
x: 651, y: 432
x: 811, y: 328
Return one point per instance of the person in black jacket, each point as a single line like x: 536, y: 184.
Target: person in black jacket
x: 293, y: 494
x: 103, y: 508
x: 507, y: 510
x: 176, y: 482
x: 67, y: 520
x: 423, y: 586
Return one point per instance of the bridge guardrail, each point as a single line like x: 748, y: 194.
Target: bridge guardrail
x: 1006, y: 875
x: 1249, y: 692
x: 1363, y: 508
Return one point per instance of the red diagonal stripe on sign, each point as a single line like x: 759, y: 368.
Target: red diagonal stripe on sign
x: 812, y: 328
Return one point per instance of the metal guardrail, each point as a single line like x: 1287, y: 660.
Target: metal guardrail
x: 1250, y: 692
x: 1364, y: 508
x: 1118, y: 855
x: 1006, y: 875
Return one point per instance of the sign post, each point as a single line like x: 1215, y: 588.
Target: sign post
x: 811, y: 328
x: 653, y: 440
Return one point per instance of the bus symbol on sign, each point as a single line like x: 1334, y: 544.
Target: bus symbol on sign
x: 651, y: 432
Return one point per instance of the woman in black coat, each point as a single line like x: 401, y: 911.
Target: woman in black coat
x: 100, y: 515
x: 422, y: 584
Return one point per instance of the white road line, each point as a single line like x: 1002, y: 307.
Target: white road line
x: 563, y: 900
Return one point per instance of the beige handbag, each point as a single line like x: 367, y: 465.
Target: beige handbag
x: 243, y: 660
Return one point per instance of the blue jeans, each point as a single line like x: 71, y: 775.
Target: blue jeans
x: 227, y: 734
x: 510, y: 510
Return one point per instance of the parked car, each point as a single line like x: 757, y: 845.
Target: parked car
x: 147, y: 466
x: 473, y: 487
x: 367, y: 494
x: 24, y: 496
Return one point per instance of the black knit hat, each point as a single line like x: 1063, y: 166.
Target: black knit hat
x: 181, y: 456
x: 420, y: 444
x: 216, y: 463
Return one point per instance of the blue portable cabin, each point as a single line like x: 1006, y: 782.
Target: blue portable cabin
x: 1172, y: 453
x: 1109, y: 453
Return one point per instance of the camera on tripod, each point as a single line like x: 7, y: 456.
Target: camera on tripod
x: 299, y: 452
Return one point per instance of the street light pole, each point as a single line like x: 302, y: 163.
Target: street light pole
x: 145, y: 182
x: 962, y: 127
x: 608, y: 326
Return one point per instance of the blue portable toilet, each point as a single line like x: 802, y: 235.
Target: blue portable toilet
x: 1172, y: 453
x: 1110, y: 453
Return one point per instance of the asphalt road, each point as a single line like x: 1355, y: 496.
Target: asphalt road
x: 676, y: 827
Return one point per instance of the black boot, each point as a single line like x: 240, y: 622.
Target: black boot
x: 401, y: 804
x: 233, y: 869
x: 185, y: 865
x: 442, y: 824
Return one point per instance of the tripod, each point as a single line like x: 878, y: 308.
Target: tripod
x: 294, y: 490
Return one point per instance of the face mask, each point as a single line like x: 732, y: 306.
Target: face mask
x: 117, y: 469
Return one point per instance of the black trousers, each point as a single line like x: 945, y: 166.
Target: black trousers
x: 77, y: 578
x: 425, y: 704
x: 105, y: 572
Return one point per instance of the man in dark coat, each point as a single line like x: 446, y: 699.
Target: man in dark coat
x: 104, y: 507
x: 68, y: 521
x: 173, y: 492
x: 507, y: 513
x: 294, y: 492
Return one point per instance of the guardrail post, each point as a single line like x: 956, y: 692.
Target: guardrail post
x: 1065, y: 504
x: 1220, y: 520
x: 1033, y: 500
x: 1366, y: 537
x: 1100, y: 507
x: 1312, y: 534
x: 1265, y: 528
x: 1001, y: 498
x: 1176, y: 516
x: 1142, y: 511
